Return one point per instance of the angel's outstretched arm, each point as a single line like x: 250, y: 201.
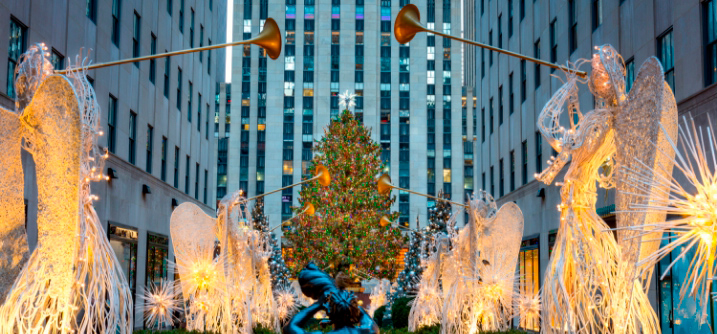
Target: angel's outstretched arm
x: 549, y: 118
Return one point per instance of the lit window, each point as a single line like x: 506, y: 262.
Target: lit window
x: 446, y: 175
x: 288, y: 167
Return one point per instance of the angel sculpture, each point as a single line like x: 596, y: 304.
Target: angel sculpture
x: 72, y: 281
x: 593, y: 283
x: 479, y: 274
x: 231, y: 291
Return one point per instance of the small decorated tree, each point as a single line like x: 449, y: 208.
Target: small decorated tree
x: 279, y: 272
x: 345, y: 234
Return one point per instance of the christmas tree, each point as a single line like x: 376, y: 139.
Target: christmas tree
x: 410, y: 276
x: 277, y: 267
x: 345, y: 234
x: 439, y: 216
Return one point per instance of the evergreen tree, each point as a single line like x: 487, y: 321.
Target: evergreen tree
x: 345, y: 234
x: 279, y: 272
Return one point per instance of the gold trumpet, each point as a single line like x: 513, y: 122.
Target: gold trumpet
x: 308, y: 209
x: 320, y: 173
x: 269, y: 39
x: 408, y: 23
x: 385, y: 186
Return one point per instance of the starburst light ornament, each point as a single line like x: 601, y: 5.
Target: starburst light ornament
x: 347, y: 100
x: 160, y: 303
x: 694, y: 203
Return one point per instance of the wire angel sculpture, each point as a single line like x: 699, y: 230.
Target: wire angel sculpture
x: 223, y: 266
x: 379, y: 296
x: 593, y: 282
x: 72, y: 281
x: 480, y: 272
x: 693, y: 204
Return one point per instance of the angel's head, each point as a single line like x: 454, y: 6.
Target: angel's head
x: 607, y: 78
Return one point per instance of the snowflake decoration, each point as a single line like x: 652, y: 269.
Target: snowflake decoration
x: 347, y: 100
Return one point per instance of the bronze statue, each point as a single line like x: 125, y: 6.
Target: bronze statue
x: 340, y: 305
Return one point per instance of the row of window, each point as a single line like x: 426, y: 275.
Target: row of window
x: 149, y: 147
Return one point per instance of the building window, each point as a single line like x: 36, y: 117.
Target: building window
x: 179, y: 89
x: 111, y: 124
x: 511, y: 104
x: 135, y: 38
x: 490, y: 111
x: 153, y: 62
x: 204, y: 195
x: 512, y: 170
x: 492, y: 181
x: 201, y: 41
x: 187, y: 170
x: 181, y: 16
x: 529, y: 277
x: 538, y: 152
x: 709, y: 24
x: 132, y: 136
x: 91, y: 10
x: 189, y: 102
x: 522, y: 9
x: 500, y: 31
x: 150, y: 147
x: 500, y: 105
x: 666, y: 55
x: 501, y: 176
x: 523, y: 80
x: 157, y: 258
x: 482, y: 118
x: 490, y: 53
x: 115, y: 22
x: 209, y: 58
x: 123, y: 240
x: 163, y: 172
x: 199, y: 112
x: 629, y: 73
x: 597, y: 13
x: 191, y: 27
x: 176, y: 167
x: 553, y: 43
x: 573, y: 21
x: 57, y: 60
x: 510, y: 18
x: 18, y: 43
x: 536, y: 52
x: 196, y: 182
x: 166, y: 76
x: 524, y: 156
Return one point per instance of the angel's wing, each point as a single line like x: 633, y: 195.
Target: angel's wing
x: 641, y: 142
x: 13, y: 247
x: 193, y: 233
x: 502, y: 236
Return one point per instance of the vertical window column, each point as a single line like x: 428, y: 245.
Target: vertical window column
x: 289, y: 100
x: 385, y: 84
x: 335, y: 58
x: 404, y: 131
x: 431, y: 102
x: 359, y: 60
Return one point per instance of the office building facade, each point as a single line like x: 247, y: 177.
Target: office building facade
x: 156, y: 115
x: 409, y: 96
x: 510, y: 94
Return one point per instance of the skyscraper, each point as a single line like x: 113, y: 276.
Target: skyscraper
x: 409, y: 95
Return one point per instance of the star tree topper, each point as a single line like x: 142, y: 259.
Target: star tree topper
x: 346, y: 100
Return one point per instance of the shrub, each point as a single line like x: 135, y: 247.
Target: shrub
x: 400, y: 312
x: 378, y: 315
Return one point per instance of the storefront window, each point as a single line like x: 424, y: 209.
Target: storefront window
x: 157, y: 256
x: 681, y: 316
x: 123, y: 241
x: 529, y: 266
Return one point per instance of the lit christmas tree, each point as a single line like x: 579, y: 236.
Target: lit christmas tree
x: 279, y: 272
x: 410, y: 276
x: 345, y: 234
x: 439, y: 216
